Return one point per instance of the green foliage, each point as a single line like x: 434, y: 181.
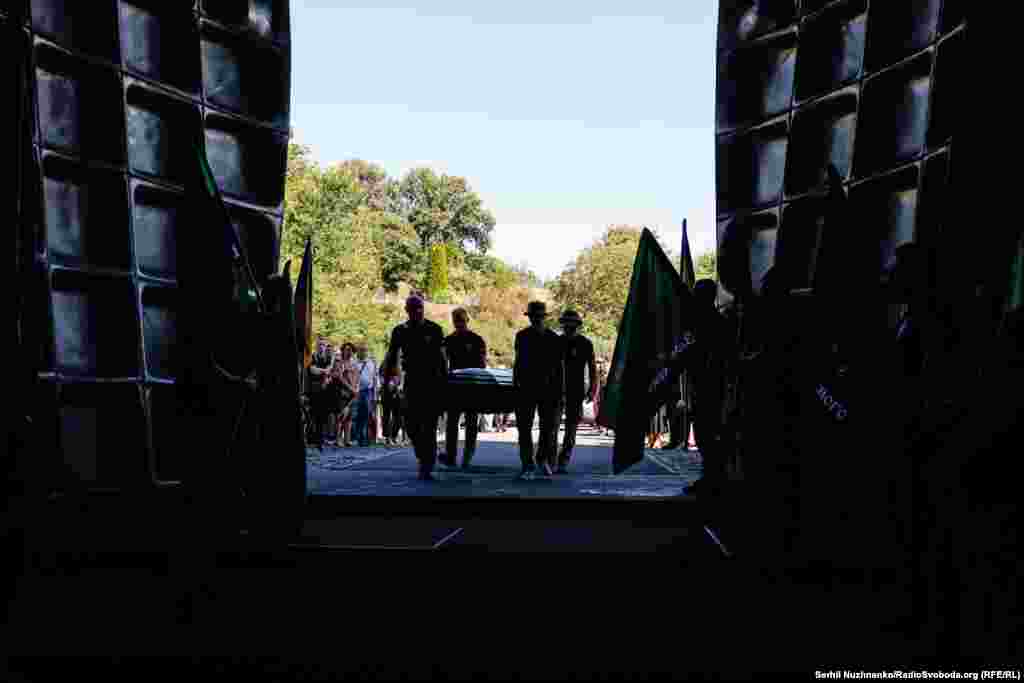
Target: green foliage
x: 497, y: 318
x: 706, y: 266
x: 437, y: 281
x: 425, y: 232
x: 597, y: 284
x: 442, y: 208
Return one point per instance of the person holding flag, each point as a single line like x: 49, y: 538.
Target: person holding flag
x: 655, y: 342
x: 712, y: 352
x: 679, y: 406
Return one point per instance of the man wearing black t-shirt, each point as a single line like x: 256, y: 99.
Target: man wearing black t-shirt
x: 464, y: 349
x: 539, y: 379
x: 579, y: 355
x: 421, y: 344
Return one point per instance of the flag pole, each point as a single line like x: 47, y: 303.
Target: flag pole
x: 684, y: 376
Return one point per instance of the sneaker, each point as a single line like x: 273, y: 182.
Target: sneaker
x: 544, y: 471
x: 528, y: 472
x: 562, y: 469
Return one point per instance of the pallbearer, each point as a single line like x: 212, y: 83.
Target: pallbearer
x: 539, y: 379
x: 421, y: 343
x: 464, y: 349
x: 579, y: 354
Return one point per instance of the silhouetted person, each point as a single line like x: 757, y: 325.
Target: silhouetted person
x: 909, y: 287
x: 319, y: 395
x: 421, y: 344
x: 708, y: 375
x: 464, y: 349
x: 538, y: 376
x: 579, y: 356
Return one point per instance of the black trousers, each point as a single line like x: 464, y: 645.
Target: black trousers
x: 391, y: 409
x: 707, y: 432
x: 421, y: 414
x: 320, y: 404
x: 546, y: 406
x: 573, y: 414
x: 452, y: 433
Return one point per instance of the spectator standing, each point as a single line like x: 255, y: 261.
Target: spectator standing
x: 318, y: 396
x: 366, y: 395
x: 347, y: 375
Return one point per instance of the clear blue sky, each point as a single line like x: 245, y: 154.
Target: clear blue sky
x: 564, y: 116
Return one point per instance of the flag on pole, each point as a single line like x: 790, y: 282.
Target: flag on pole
x: 304, y: 306
x: 215, y: 284
x: 654, y: 335
x: 686, y: 270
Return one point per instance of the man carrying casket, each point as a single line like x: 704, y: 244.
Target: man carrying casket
x: 579, y: 356
x: 539, y: 379
x: 464, y: 349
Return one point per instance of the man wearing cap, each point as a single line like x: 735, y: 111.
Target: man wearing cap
x: 421, y: 343
x: 579, y: 355
x: 539, y: 378
x: 464, y: 349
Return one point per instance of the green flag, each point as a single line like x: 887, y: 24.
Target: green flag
x: 304, y: 307
x: 216, y: 287
x: 686, y: 270
x: 654, y: 335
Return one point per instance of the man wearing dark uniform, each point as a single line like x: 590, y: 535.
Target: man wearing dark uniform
x: 579, y: 354
x: 421, y: 343
x: 714, y: 344
x: 464, y: 349
x: 319, y: 393
x: 539, y: 379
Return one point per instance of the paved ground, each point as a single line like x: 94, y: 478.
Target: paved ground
x: 389, y: 471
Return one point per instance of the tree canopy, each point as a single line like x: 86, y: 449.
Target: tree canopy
x: 376, y: 238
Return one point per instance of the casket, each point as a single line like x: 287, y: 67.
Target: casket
x: 481, y: 391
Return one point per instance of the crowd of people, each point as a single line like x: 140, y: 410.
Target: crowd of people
x: 350, y: 401
x: 354, y: 401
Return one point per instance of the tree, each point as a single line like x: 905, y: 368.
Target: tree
x: 442, y: 208
x: 706, y: 266
x: 597, y: 283
x: 372, y: 180
x: 398, y: 247
x: 437, y: 281
x: 326, y: 204
x: 496, y: 272
x: 527, y: 277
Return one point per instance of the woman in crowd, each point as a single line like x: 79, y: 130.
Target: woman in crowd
x: 346, y: 374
